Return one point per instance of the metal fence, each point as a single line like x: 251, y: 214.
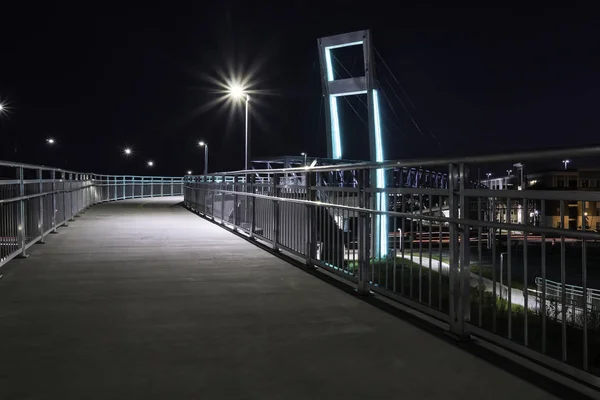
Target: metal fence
x: 437, y: 248
x: 36, y: 200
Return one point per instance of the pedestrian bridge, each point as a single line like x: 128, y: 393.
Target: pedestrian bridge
x: 157, y: 291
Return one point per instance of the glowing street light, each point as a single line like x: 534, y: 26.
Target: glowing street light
x: 127, y: 151
x: 237, y: 92
x: 205, y: 145
x: 488, y: 175
x: 50, y: 141
x: 2, y: 108
x: 566, y: 162
x: 151, y: 163
x: 305, y: 155
x: 189, y: 172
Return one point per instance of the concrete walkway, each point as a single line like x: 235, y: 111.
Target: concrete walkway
x: 144, y: 300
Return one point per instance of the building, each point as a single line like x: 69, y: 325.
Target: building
x: 577, y: 215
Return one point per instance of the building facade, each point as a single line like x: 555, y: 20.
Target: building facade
x: 576, y: 214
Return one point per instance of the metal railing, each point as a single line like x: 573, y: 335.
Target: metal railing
x: 36, y: 200
x: 435, y: 248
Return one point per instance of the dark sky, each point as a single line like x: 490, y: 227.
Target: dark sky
x: 96, y: 80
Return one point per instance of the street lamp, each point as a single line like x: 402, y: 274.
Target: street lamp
x: 151, y: 163
x: 205, y: 145
x: 488, y: 175
x: 127, y: 151
x: 50, y: 141
x: 566, y: 162
x: 189, y: 172
x: 305, y: 155
x: 237, y: 92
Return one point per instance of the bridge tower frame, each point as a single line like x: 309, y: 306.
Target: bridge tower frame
x: 365, y: 84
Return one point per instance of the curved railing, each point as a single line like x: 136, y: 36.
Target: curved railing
x: 464, y: 254
x: 35, y: 200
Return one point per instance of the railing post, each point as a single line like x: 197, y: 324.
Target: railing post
x: 311, y: 226
x: 250, y: 188
x: 172, y: 184
x: 162, y: 185
x: 223, y: 187
x: 235, y: 202
x: 40, y: 175
x: 205, y: 193
x: 151, y: 186
x: 457, y: 320
x: 71, y: 191
x: 115, y: 197
x: 63, y: 181
x: 212, y: 199
x: 54, y: 205
x: 78, y: 193
x: 363, y: 234
x: 465, y: 242
x: 21, y: 223
x: 276, y: 220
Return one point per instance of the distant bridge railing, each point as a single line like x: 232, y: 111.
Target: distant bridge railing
x: 36, y: 200
x: 383, y: 237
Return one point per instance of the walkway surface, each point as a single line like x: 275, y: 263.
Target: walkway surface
x: 144, y: 300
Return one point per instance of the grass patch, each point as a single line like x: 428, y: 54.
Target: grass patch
x: 428, y: 287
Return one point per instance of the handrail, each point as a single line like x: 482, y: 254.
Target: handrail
x: 411, y: 163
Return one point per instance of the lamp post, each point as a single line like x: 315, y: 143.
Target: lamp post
x: 205, y: 145
x: 566, y: 162
x: 237, y: 92
x: 127, y: 152
x: 151, y: 163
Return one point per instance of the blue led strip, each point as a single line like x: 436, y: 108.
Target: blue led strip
x: 335, y: 129
x: 381, y: 198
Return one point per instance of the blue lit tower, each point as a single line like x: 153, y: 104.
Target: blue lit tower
x: 334, y: 88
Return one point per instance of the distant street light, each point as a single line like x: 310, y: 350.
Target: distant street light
x: 189, y: 172
x: 488, y: 175
x: 2, y: 109
x: 50, y: 141
x: 509, y: 171
x: 237, y: 92
x: 305, y: 155
x: 150, y: 163
x: 205, y: 145
x: 566, y: 162
x: 127, y: 151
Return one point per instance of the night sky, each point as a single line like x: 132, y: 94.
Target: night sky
x: 475, y: 80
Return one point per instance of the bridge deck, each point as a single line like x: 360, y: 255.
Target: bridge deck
x: 142, y: 299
